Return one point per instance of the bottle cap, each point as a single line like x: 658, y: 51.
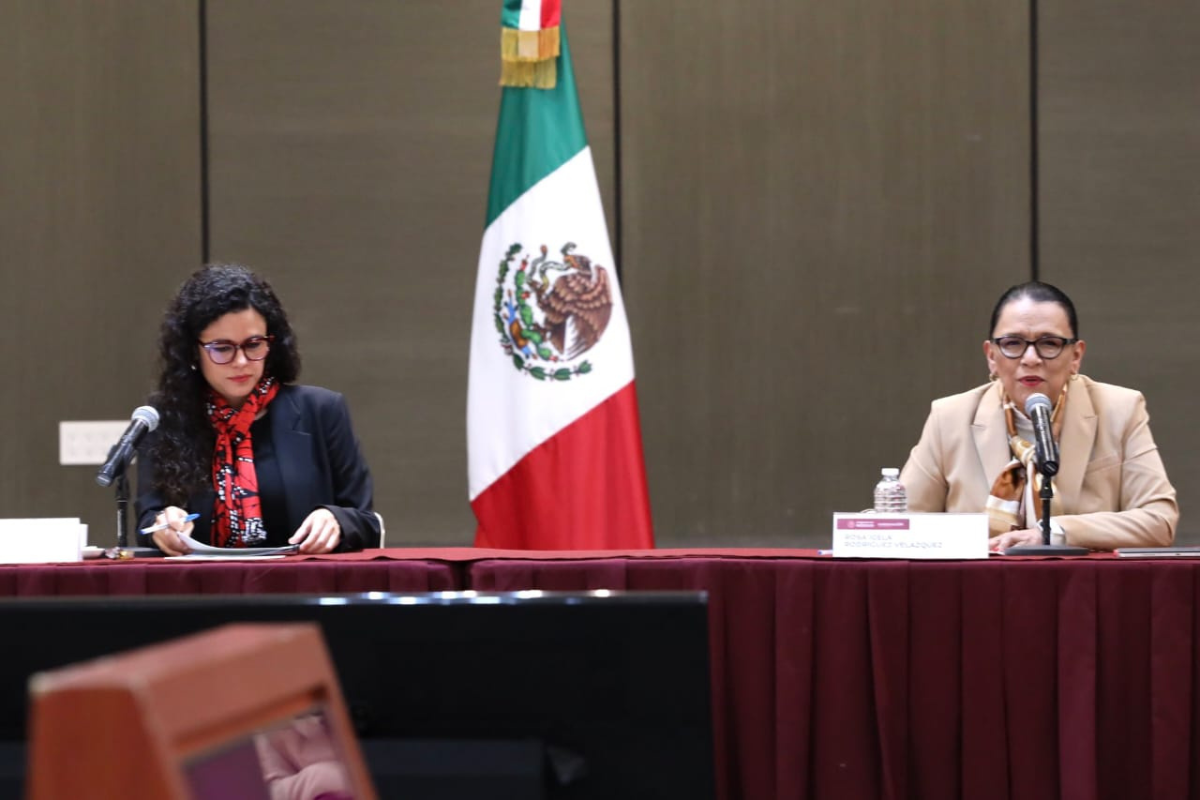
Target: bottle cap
x: 890, y: 472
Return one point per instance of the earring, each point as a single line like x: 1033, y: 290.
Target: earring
x: 193, y: 367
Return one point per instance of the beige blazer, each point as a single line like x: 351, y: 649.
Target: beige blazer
x: 1112, y: 489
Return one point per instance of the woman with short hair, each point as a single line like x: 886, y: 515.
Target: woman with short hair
x: 976, y: 452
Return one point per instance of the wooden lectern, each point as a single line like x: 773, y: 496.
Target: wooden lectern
x: 245, y: 711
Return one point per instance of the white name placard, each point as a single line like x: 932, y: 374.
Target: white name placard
x: 910, y: 536
x: 41, y: 541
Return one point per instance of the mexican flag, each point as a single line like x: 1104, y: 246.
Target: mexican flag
x: 553, y: 440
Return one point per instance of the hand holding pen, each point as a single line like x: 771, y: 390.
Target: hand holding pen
x: 169, y: 523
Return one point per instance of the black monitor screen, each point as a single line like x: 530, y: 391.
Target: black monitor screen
x: 527, y: 695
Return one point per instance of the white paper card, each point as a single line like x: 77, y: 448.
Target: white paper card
x: 910, y: 536
x: 41, y: 541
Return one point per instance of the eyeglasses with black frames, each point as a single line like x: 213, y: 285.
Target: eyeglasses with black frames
x: 222, y: 351
x: 1047, y: 347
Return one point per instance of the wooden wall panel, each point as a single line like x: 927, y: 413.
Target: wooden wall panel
x: 99, y: 210
x: 1119, y: 147
x: 822, y: 201
x: 350, y: 150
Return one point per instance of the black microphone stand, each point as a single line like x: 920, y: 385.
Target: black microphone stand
x: 121, y: 490
x: 1045, y: 548
x: 1047, y: 494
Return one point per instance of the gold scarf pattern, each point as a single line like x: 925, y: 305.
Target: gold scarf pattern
x: 1015, y: 503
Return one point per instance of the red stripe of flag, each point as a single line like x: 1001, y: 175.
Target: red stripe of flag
x: 582, y: 489
x: 551, y: 12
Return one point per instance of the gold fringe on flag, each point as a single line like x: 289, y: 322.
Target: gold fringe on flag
x: 538, y: 74
x: 516, y: 45
x: 548, y: 42
x: 529, y: 58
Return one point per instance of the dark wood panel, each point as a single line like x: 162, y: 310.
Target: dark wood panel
x: 1119, y: 145
x: 822, y: 200
x: 350, y: 148
x: 99, y: 213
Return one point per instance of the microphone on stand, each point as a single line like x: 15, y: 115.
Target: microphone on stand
x: 144, y: 420
x: 1039, y: 408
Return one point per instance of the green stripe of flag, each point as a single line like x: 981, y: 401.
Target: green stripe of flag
x: 510, y: 14
x: 539, y: 131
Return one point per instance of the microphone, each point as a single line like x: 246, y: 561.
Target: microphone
x: 1038, y: 408
x: 144, y: 420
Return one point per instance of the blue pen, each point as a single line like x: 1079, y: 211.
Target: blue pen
x: 166, y: 525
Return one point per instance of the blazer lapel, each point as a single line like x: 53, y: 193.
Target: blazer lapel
x: 293, y: 450
x: 1075, y: 447
x: 991, y: 436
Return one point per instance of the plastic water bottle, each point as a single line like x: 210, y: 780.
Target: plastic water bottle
x: 890, y: 495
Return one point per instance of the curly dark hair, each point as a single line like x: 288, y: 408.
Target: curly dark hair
x: 182, y: 447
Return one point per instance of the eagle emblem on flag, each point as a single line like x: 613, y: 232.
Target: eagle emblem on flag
x: 549, y: 313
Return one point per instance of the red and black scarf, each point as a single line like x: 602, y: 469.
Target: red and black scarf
x: 237, y: 513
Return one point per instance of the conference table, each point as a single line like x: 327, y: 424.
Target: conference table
x: 838, y: 678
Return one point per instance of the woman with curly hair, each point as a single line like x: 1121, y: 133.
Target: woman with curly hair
x: 263, y: 461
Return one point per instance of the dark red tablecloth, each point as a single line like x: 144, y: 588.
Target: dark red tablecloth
x: 1018, y: 678
x: 997, y: 679
x: 373, y: 571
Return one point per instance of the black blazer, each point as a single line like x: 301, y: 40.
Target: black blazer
x: 318, y: 459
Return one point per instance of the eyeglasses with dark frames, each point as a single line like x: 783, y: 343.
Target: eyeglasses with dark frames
x: 1047, y: 347
x: 223, y: 351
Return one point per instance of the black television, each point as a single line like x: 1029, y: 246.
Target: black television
x: 527, y: 695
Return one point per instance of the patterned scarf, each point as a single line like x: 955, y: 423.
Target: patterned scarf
x: 237, y: 513
x: 1015, y: 502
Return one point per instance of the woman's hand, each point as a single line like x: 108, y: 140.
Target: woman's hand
x: 168, y: 539
x: 1014, y: 538
x: 319, y: 533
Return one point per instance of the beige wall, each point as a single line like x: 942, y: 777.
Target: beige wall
x: 99, y: 209
x: 1119, y: 134
x: 821, y: 201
